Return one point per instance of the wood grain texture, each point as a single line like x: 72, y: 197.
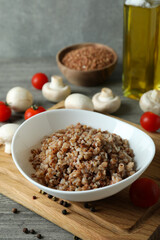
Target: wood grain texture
x: 115, y: 218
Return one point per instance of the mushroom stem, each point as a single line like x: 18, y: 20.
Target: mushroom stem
x: 6, y: 134
x: 56, y: 82
x: 105, y: 93
x: 7, y: 147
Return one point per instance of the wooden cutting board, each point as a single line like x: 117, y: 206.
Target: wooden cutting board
x: 115, y: 218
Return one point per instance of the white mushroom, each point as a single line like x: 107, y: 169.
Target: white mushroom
x: 150, y: 101
x: 79, y: 101
x: 6, y: 134
x: 55, y: 90
x: 105, y: 101
x: 19, y: 99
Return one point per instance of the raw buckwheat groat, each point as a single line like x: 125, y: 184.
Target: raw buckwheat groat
x: 88, y: 58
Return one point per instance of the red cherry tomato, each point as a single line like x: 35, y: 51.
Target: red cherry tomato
x: 5, y: 112
x: 38, y: 80
x: 144, y: 192
x: 2, y: 103
x: 33, y: 110
x: 150, y: 121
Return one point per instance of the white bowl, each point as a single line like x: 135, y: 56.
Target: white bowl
x: 32, y: 131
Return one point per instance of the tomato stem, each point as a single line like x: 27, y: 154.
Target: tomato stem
x: 6, y: 104
x: 34, y: 107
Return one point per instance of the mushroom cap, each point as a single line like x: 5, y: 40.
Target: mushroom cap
x: 150, y: 101
x: 55, y: 90
x: 105, y: 101
x: 79, y: 101
x: 55, y: 95
x: 19, y: 99
x: 7, y: 131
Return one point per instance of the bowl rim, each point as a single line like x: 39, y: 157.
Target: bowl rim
x: 80, y: 45
x: 39, y: 185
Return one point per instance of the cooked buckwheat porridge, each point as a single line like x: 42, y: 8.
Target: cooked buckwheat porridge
x: 82, y: 158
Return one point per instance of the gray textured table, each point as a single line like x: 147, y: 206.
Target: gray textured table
x: 18, y: 72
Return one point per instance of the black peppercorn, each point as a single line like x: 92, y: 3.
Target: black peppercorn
x: 32, y: 231
x: 42, y: 192
x: 93, y: 209
x: 61, y: 202
x: 14, y: 210
x: 25, y: 230
x: 66, y: 204
x: 34, y: 197
x: 86, y: 205
x: 55, y: 199
x: 39, y: 236
x: 76, y: 238
x: 64, y: 212
x: 50, y: 196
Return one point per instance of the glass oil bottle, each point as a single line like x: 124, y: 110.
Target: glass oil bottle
x: 141, y: 47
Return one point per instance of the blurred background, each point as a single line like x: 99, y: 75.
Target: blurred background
x: 33, y: 31
x: 40, y: 28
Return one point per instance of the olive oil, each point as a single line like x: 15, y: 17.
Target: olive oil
x: 140, y: 36
x: 157, y: 54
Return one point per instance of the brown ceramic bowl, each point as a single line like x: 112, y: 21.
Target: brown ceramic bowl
x: 88, y: 77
